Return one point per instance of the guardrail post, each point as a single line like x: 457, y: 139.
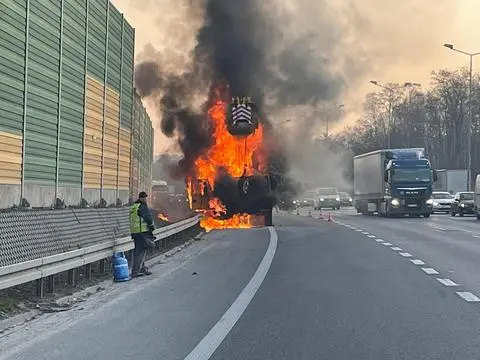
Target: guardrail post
x: 39, y: 287
x: 72, y: 277
x: 88, y: 271
x: 101, y: 267
x: 51, y: 284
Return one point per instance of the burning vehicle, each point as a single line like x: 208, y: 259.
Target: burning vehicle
x: 232, y: 185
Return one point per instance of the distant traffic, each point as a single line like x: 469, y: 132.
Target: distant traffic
x: 398, y: 183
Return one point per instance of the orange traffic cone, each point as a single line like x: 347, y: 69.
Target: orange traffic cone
x: 329, y: 217
x: 298, y: 212
x: 309, y: 213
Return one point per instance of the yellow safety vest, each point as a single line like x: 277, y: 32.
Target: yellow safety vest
x: 137, y: 224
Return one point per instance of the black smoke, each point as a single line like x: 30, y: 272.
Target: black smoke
x: 238, y: 45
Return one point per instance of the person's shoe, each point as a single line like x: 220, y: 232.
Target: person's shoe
x: 145, y: 271
x: 137, y: 274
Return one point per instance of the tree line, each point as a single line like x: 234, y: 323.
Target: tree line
x: 435, y: 119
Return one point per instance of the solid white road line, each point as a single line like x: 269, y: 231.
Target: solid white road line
x: 405, y: 254
x: 417, y: 262
x: 207, y: 346
x: 468, y: 296
x: 396, y: 249
x: 430, y: 271
x: 447, y: 282
x: 387, y: 244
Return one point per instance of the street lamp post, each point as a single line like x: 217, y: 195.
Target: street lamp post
x: 470, y: 114
x: 411, y: 86
x: 390, y: 105
x: 338, y: 107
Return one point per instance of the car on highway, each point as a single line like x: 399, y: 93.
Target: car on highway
x: 442, y: 201
x: 463, y: 203
x: 327, y: 198
x: 345, y: 199
x: 307, y: 200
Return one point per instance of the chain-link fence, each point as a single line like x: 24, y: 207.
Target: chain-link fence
x: 28, y: 235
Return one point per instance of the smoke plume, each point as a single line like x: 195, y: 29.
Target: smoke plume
x: 239, y: 44
x: 291, y: 56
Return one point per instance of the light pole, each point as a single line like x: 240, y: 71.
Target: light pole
x: 390, y: 100
x: 338, y: 107
x: 470, y: 114
x: 411, y: 86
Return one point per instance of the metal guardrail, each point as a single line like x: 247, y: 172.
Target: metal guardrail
x: 23, y: 272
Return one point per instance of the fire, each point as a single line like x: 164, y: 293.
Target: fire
x: 238, y: 221
x: 234, y: 153
x: 237, y: 155
x: 217, y: 206
x: 162, y: 216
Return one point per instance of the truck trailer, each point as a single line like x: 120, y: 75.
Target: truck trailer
x: 393, y: 182
x: 451, y: 181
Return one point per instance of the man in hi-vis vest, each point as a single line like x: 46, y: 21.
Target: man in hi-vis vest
x: 141, y: 227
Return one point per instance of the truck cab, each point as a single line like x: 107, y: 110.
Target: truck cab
x: 408, y: 186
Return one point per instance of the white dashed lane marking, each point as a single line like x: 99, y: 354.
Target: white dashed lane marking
x: 447, y: 282
x: 468, y: 296
x: 465, y: 295
x: 430, y: 271
x: 417, y: 262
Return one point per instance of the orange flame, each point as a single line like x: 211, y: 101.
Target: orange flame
x: 217, y: 206
x: 237, y: 221
x: 162, y: 216
x: 233, y: 153
x: 236, y: 155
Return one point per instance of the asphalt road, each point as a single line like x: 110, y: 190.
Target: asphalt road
x: 312, y: 289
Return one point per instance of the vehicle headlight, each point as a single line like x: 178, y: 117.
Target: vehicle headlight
x: 338, y: 199
x: 395, y: 202
x: 435, y: 203
x: 429, y: 202
x: 350, y: 199
x: 462, y: 205
x: 322, y: 199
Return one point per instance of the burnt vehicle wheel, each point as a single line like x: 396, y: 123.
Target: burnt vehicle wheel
x: 427, y: 215
x: 242, y: 116
x: 460, y: 213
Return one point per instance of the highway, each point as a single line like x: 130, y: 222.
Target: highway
x: 353, y: 288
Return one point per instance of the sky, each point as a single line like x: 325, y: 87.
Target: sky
x: 383, y: 40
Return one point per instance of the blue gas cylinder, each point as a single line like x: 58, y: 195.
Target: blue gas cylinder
x: 120, y: 267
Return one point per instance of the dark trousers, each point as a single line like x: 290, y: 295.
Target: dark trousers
x: 139, y: 253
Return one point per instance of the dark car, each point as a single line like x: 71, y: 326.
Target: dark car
x: 327, y: 198
x: 463, y: 203
x: 345, y: 199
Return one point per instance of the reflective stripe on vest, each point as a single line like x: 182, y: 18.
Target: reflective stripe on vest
x: 137, y: 225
